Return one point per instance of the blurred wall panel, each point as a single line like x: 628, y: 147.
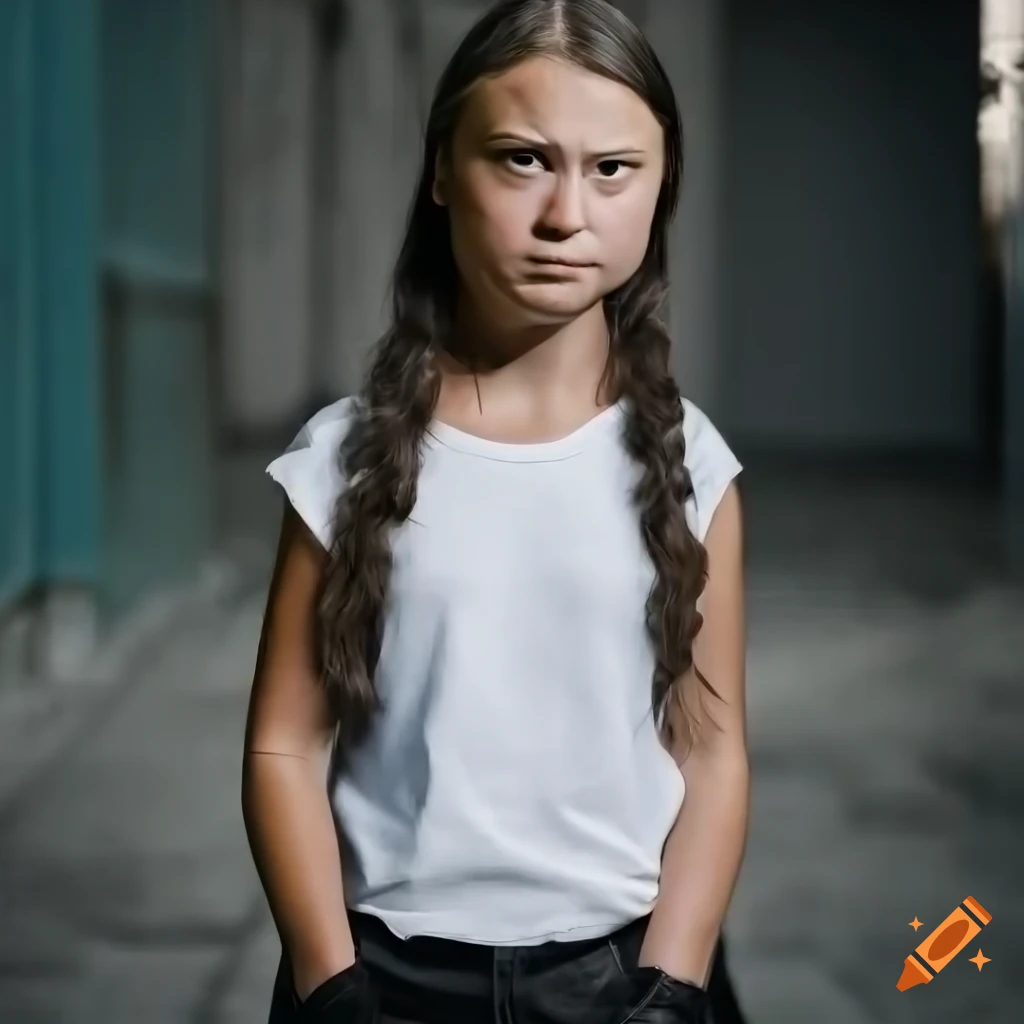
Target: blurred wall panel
x: 51, y: 498
x: 18, y: 377
x: 378, y: 103
x: 1001, y: 138
x: 1002, y: 25
x: 156, y: 106
x: 49, y: 395
x: 265, y: 218
x: 851, y: 223
x: 444, y: 23
x: 1013, y: 449
x: 688, y: 35
x: 66, y: 315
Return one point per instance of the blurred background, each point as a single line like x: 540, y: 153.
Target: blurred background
x: 200, y: 201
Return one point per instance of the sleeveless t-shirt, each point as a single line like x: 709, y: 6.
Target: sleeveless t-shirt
x: 513, y: 789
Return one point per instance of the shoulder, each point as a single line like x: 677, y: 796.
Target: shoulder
x: 328, y: 426
x: 712, y: 466
x: 309, y: 470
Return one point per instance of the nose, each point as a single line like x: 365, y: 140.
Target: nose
x: 565, y: 213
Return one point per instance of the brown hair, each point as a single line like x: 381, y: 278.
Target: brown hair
x: 381, y: 454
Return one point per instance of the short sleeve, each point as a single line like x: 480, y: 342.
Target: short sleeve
x: 712, y: 467
x: 309, y: 470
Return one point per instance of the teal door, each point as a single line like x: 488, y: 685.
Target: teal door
x: 17, y: 376
x: 157, y: 299
x: 49, y: 382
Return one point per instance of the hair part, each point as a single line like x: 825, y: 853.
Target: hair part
x: 382, y: 452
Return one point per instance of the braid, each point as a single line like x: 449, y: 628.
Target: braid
x: 654, y: 438
x: 381, y: 459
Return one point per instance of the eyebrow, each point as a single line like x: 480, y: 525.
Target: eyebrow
x: 532, y: 143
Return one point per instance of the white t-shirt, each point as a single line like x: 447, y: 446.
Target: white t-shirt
x: 514, y: 788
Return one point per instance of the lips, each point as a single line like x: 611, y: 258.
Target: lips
x: 558, y: 262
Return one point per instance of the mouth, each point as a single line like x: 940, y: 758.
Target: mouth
x: 557, y: 261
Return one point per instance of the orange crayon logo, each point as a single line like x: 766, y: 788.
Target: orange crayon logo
x: 944, y: 943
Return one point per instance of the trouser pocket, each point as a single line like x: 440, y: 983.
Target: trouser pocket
x: 284, y: 1003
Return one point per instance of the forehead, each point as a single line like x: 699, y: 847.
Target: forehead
x: 562, y: 103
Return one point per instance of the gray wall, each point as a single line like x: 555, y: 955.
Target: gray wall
x: 848, y: 279
x: 266, y: 160
x: 688, y: 35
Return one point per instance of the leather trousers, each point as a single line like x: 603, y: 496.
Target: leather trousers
x: 439, y: 981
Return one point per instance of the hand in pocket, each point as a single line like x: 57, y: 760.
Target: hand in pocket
x: 652, y: 997
x: 345, y: 998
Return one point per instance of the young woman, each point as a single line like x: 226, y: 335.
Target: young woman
x: 483, y: 630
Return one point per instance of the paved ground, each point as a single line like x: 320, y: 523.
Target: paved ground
x: 886, y: 708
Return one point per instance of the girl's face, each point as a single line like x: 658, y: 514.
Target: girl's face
x: 551, y: 184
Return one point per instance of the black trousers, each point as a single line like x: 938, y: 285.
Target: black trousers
x: 439, y: 981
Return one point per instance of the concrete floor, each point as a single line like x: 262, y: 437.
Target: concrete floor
x: 886, y: 691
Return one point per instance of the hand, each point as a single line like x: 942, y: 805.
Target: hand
x: 652, y: 997
x: 345, y: 998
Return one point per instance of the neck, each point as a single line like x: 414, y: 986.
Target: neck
x: 549, y: 357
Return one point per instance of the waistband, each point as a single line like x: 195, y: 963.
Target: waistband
x: 371, y: 931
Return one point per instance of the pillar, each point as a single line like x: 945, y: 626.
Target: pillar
x: 688, y: 35
x: 379, y: 126
x: 53, y: 424
x: 1001, y: 132
x: 266, y: 164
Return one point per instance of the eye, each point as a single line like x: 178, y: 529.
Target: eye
x: 523, y: 160
x: 612, y: 168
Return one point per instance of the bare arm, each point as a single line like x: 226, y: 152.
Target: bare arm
x: 703, y: 852
x: 285, y: 800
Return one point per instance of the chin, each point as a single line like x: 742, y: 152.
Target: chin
x: 551, y: 303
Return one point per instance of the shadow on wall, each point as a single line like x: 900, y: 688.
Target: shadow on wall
x: 851, y: 226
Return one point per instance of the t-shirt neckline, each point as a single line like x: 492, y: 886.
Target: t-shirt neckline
x: 541, y: 451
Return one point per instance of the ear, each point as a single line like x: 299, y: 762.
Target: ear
x: 439, y: 190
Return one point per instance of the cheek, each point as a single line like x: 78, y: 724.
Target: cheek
x: 624, y: 230
x: 490, y: 224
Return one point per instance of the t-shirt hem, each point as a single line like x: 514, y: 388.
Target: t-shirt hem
x: 407, y: 925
